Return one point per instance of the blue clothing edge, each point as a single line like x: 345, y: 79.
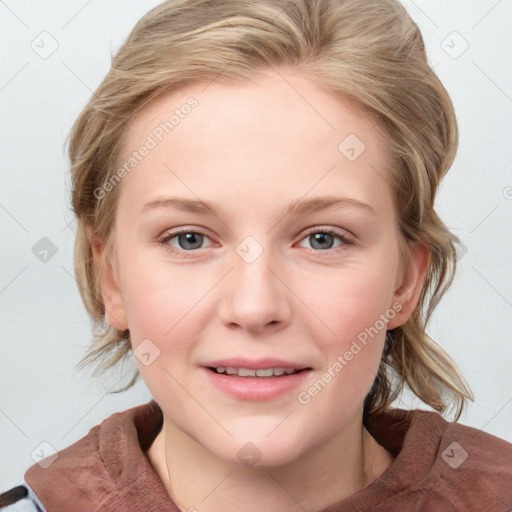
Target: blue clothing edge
x: 28, y: 503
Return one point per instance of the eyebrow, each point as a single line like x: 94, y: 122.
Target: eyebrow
x: 297, y: 207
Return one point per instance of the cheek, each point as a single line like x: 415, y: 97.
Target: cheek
x: 356, y: 308
x: 163, y: 306
x: 159, y: 297
x: 350, y: 299
x: 166, y: 305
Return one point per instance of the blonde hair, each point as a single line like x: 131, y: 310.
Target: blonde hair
x: 370, y: 53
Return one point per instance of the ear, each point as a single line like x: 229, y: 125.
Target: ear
x: 409, y: 284
x: 109, y: 282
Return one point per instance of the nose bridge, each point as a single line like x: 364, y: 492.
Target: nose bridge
x: 255, y: 296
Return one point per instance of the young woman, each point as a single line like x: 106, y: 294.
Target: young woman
x: 254, y: 185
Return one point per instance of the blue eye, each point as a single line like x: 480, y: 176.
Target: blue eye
x: 325, y: 238
x: 188, y: 241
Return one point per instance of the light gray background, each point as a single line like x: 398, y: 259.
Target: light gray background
x: 44, y: 326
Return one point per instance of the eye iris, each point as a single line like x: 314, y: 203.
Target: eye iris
x: 195, y: 239
x: 320, y: 237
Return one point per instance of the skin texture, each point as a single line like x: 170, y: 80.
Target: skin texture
x: 253, y: 148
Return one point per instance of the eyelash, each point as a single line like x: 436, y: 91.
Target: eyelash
x: 327, y: 231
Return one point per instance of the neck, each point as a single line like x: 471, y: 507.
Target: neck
x: 326, y: 474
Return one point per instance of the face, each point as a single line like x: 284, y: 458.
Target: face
x: 250, y: 283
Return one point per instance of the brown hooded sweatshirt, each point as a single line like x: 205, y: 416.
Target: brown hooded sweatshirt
x: 438, y: 466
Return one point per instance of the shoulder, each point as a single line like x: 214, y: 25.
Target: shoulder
x: 105, y: 466
x: 20, y: 499
x: 470, y: 470
x: 473, y: 467
x: 440, y: 465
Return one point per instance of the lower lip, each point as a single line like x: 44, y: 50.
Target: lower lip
x: 254, y: 388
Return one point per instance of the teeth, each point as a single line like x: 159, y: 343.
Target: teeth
x: 265, y: 373
x: 247, y: 372
x: 244, y: 372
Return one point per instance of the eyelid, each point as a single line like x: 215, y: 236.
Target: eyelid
x: 343, y: 234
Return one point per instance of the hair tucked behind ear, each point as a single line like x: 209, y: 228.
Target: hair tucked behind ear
x: 370, y: 53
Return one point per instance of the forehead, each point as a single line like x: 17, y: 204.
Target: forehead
x: 279, y: 130
x: 279, y: 100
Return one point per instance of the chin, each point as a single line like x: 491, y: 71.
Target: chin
x: 260, y: 453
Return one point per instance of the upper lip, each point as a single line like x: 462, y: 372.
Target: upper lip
x: 254, y: 364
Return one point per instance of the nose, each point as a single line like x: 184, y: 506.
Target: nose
x: 255, y: 297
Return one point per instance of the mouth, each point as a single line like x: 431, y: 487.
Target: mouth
x: 255, y: 379
x: 260, y: 373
